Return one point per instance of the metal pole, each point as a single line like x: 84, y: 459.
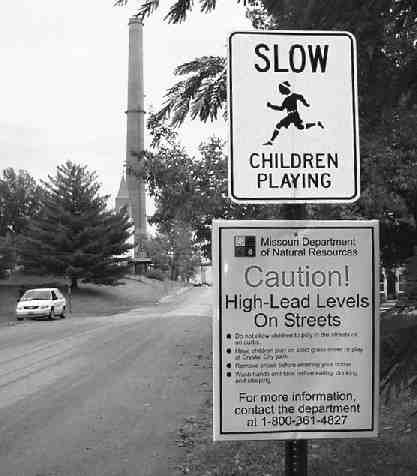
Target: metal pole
x: 296, y: 458
x: 295, y: 450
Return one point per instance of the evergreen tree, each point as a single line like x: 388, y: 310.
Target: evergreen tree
x: 74, y: 235
x: 19, y: 200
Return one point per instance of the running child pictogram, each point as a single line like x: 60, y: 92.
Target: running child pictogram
x: 290, y: 104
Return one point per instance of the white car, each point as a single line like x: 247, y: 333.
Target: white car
x: 42, y: 302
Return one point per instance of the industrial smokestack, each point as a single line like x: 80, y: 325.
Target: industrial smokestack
x: 135, y: 133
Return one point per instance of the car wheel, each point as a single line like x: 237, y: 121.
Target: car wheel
x: 63, y: 313
x: 52, y: 314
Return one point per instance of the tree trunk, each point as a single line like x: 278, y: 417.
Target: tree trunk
x: 74, y: 283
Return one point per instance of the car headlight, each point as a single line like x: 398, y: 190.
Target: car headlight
x: 44, y: 306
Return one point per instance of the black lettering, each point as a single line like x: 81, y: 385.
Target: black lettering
x: 289, y: 319
x: 258, y: 48
x: 325, y: 180
x: 318, y: 56
x: 261, y: 319
x: 231, y: 301
x: 277, y: 69
x: 251, y: 160
x: 262, y: 178
x: 336, y: 321
x: 302, y: 57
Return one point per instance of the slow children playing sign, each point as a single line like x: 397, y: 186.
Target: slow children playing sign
x: 293, y: 119
x: 295, y: 334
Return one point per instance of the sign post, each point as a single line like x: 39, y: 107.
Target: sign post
x: 296, y: 458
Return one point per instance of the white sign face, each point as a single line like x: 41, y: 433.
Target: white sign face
x: 293, y: 117
x: 296, y: 329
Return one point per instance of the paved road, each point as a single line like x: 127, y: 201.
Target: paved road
x: 103, y: 396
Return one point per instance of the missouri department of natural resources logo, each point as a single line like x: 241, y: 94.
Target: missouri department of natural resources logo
x: 245, y: 246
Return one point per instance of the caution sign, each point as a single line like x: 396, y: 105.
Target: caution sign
x: 293, y: 117
x: 296, y: 329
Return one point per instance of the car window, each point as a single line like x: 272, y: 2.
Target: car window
x: 38, y: 294
x: 54, y: 296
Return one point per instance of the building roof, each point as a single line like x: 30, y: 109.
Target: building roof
x: 123, y: 191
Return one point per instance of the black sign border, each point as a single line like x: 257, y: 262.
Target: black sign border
x: 290, y: 199
x: 374, y: 315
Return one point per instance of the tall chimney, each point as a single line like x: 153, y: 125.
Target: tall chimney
x: 135, y: 131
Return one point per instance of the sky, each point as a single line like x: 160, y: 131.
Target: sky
x: 64, y: 79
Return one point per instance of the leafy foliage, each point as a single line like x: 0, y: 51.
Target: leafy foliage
x: 155, y: 274
x: 386, y: 31
x: 148, y: 7
x: 193, y: 190
x: 178, y: 10
x: 157, y: 248
x: 184, y: 256
x: 20, y: 197
x: 174, y: 252
x: 399, y: 364
x: 74, y: 235
x: 7, y: 256
x: 403, y: 146
x: 201, y: 95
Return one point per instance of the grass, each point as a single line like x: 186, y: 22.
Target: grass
x: 392, y: 453
x: 88, y: 299
x: 104, y: 300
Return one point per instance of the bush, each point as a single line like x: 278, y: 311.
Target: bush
x: 155, y: 274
